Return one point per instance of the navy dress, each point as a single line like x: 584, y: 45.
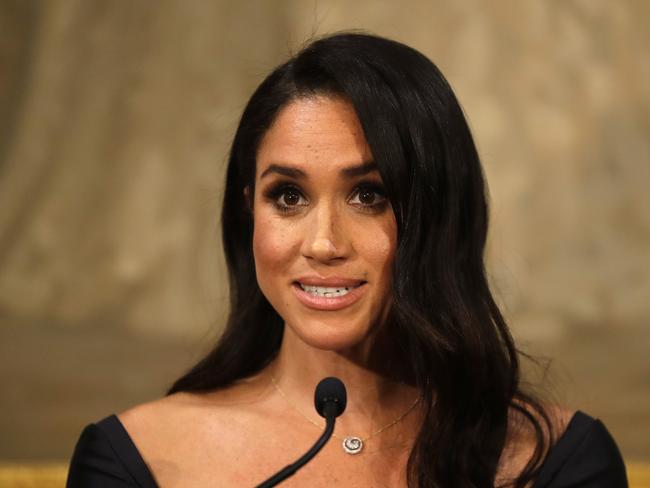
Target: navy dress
x: 584, y: 456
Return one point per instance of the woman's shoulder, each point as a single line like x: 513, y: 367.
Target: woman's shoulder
x: 132, y: 448
x: 586, y: 453
x: 156, y: 415
x: 522, y: 438
x: 105, y: 455
x: 184, y: 410
x: 578, y: 448
x: 167, y: 431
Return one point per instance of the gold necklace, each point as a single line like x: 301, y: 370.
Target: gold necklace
x: 351, y: 444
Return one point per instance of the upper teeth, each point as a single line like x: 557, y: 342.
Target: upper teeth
x: 325, y: 291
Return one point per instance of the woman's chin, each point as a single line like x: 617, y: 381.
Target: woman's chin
x: 329, y: 337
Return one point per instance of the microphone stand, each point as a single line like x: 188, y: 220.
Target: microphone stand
x: 330, y: 410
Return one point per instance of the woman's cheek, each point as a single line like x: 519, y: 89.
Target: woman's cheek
x: 272, y: 246
x: 379, y: 243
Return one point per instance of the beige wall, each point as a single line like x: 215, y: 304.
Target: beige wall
x: 115, y: 120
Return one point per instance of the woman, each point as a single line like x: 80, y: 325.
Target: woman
x: 354, y: 223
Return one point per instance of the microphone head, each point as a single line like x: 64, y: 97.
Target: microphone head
x: 330, y: 397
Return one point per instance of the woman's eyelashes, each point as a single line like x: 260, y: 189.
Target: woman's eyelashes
x: 369, y: 195
x: 287, y: 197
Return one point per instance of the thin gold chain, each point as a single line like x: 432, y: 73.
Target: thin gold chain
x: 364, y: 439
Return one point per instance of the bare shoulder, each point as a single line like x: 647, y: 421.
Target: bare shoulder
x: 560, y: 417
x: 186, y: 416
x: 522, y: 438
x: 168, y: 431
x: 520, y: 424
x: 160, y: 412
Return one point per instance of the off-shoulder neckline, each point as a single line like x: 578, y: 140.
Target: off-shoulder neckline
x: 128, y: 453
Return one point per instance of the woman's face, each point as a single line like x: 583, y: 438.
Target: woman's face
x: 324, y: 233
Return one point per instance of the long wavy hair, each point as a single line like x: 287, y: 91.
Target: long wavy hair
x: 444, y: 321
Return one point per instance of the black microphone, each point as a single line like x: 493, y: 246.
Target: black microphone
x: 330, y: 399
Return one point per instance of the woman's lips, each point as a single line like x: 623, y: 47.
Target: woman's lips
x: 328, y: 303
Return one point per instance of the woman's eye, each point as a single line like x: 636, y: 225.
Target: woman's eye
x: 368, y: 197
x: 285, y: 197
x: 289, y: 197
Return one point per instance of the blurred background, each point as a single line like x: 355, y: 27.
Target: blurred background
x: 115, y: 120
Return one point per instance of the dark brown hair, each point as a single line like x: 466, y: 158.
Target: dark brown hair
x: 444, y: 323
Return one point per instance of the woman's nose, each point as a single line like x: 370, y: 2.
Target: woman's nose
x: 325, y: 239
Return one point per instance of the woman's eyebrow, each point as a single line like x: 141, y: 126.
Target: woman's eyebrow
x: 359, y: 170
x: 351, y: 171
x: 284, y: 171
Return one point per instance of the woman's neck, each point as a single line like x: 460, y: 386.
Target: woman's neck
x: 374, y: 401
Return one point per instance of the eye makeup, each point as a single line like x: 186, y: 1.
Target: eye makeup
x: 280, y: 190
x: 287, y: 197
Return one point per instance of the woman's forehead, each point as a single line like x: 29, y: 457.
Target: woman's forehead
x: 315, y: 132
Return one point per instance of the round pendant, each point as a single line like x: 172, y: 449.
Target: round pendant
x: 352, y: 445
